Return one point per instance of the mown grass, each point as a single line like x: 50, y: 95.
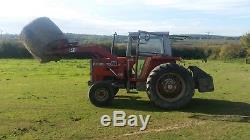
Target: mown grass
x: 50, y: 101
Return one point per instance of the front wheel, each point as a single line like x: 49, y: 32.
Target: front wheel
x: 170, y: 86
x: 101, y: 94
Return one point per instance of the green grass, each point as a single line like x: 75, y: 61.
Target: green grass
x: 50, y: 101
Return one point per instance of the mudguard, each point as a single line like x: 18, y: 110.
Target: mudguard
x: 203, y: 81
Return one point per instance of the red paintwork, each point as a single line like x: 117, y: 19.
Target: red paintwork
x: 106, y: 66
x: 96, y: 51
x: 152, y: 62
x: 100, y: 71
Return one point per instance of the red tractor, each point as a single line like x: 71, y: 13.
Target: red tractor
x: 148, y: 66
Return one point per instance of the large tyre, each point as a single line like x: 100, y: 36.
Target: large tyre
x: 170, y: 86
x: 101, y: 94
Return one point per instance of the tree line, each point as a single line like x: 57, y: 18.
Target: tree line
x: 227, y: 50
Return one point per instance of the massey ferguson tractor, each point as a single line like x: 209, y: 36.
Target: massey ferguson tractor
x: 148, y: 65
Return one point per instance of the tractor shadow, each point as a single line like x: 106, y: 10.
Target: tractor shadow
x: 202, y: 109
x: 219, y: 110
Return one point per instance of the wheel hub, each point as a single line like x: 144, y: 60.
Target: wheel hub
x: 101, y: 94
x: 170, y: 87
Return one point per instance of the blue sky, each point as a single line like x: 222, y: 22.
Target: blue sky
x: 221, y: 17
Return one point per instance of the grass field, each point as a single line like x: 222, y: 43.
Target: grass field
x: 50, y: 101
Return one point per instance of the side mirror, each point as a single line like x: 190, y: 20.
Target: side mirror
x: 147, y: 37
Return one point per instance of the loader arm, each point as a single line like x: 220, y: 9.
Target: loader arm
x: 46, y: 42
x: 92, y: 51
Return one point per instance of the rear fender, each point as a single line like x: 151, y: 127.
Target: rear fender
x: 203, y: 81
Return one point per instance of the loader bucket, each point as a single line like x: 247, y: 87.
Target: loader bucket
x: 40, y: 37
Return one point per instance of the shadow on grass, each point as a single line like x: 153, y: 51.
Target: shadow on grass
x: 130, y: 102
x: 211, y: 109
x: 219, y: 110
x: 217, y: 107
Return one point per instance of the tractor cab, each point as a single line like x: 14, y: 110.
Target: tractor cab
x: 144, y: 43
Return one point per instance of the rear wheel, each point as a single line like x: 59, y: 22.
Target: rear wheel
x: 101, y: 94
x: 170, y: 86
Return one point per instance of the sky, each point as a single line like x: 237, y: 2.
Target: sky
x: 104, y: 17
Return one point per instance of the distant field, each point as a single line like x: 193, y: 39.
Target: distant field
x: 50, y: 101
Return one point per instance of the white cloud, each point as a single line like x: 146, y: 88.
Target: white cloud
x: 200, y: 5
x: 109, y: 26
x: 14, y: 14
x: 190, y: 5
x: 99, y: 25
x: 34, y: 8
x: 69, y: 19
x: 116, y: 2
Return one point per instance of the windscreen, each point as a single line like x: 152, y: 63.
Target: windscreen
x: 152, y: 44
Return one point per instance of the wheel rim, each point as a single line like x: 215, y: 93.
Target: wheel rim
x: 101, y: 94
x: 170, y: 87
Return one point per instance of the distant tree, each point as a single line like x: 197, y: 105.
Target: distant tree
x: 13, y: 49
x: 245, y: 41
